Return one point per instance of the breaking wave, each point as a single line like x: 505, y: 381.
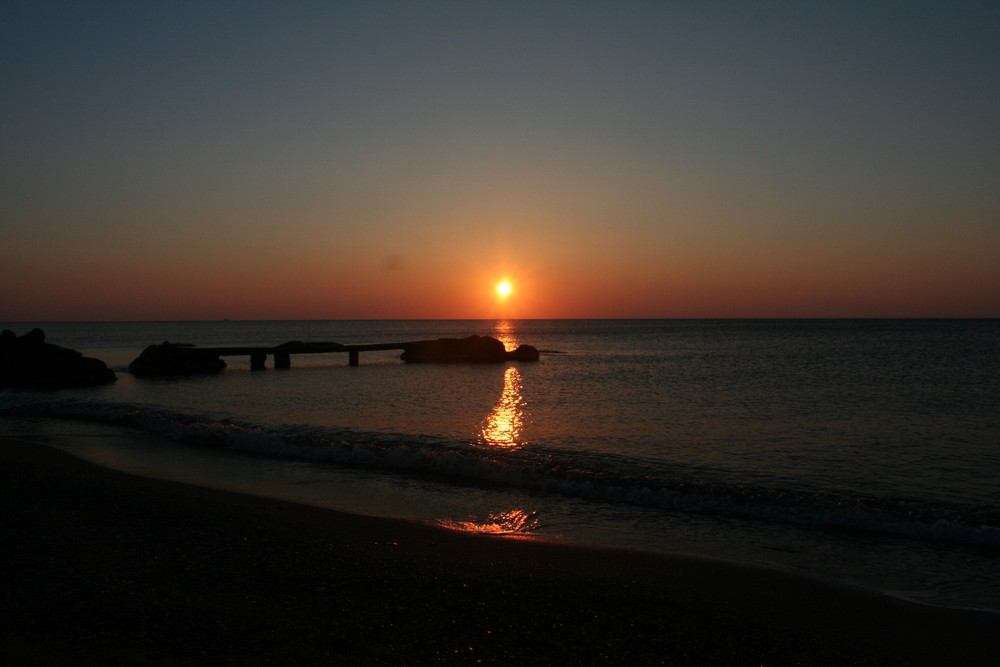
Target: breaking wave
x: 541, y: 471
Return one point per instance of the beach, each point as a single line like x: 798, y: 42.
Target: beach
x: 555, y: 333
x: 105, y: 567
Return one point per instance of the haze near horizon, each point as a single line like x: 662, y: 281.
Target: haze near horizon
x: 396, y: 160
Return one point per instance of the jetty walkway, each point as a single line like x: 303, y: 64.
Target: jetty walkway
x: 178, y: 359
x: 282, y: 354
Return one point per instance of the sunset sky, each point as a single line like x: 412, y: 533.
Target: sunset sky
x: 324, y: 160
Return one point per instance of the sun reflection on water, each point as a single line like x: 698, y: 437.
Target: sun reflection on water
x: 504, y: 332
x: 502, y: 427
x: 514, y: 522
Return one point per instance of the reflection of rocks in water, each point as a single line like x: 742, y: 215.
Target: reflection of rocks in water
x: 473, y: 349
x: 31, y: 363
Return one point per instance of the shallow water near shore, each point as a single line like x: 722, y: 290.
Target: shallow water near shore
x: 862, y: 452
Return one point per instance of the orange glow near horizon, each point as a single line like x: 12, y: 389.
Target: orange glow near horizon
x: 379, y: 195
x: 782, y: 281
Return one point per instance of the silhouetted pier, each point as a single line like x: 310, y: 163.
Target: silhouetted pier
x: 282, y: 354
x: 180, y: 359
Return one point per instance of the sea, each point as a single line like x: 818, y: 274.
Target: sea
x: 859, y: 452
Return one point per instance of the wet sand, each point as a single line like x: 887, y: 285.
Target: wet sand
x: 102, y: 567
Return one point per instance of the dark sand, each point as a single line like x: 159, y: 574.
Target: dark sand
x: 101, y: 567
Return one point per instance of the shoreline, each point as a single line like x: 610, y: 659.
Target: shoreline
x: 104, y: 566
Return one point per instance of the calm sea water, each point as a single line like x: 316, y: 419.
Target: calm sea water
x: 858, y: 451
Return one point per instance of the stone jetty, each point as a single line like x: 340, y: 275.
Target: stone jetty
x: 181, y: 359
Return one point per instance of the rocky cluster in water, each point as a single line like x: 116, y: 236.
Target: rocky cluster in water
x: 175, y: 359
x: 28, y: 362
x: 474, y: 349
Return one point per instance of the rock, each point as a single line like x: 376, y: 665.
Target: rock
x: 31, y: 363
x: 474, y: 349
x: 524, y: 353
x: 34, y: 337
x: 175, y: 359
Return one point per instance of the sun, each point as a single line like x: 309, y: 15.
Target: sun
x: 503, y: 289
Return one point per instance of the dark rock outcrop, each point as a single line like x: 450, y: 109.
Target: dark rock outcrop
x: 524, y: 353
x: 31, y: 363
x: 175, y: 359
x: 474, y: 349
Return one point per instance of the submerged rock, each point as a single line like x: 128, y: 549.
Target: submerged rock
x: 29, y: 362
x: 473, y: 349
x: 175, y: 359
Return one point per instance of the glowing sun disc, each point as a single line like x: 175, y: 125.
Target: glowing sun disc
x: 503, y: 289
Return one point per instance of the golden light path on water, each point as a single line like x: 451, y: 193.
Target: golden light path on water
x: 502, y: 428
x: 504, y: 332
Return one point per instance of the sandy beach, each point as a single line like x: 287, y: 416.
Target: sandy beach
x: 105, y: 567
